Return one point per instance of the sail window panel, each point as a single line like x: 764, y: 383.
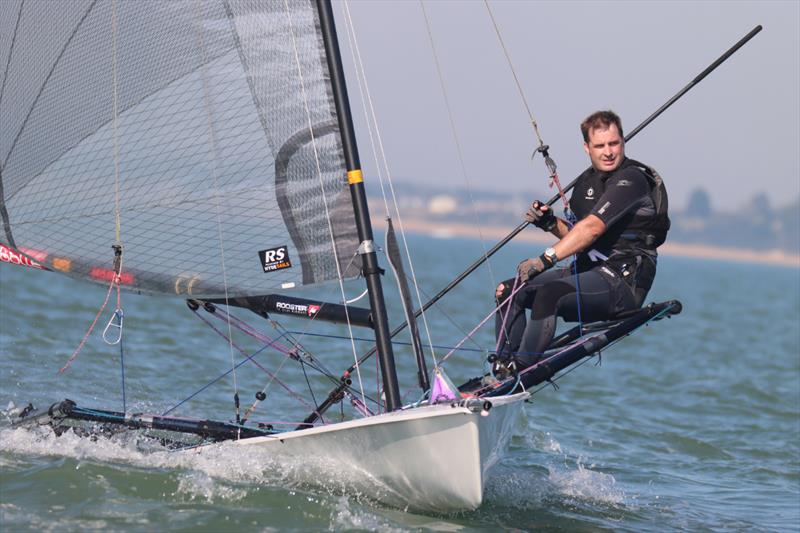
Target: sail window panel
x: 287, y: 101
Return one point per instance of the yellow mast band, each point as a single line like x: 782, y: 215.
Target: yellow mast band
x: 354, y: 176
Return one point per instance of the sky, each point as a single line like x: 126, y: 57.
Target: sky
x: 735, y: 134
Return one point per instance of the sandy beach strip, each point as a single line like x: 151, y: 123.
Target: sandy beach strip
x: 533, y: 235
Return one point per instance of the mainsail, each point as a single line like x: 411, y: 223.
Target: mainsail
x: 203, y: 133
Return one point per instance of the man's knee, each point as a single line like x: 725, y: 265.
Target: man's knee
x: 502, y: 292
x: 549, y: 296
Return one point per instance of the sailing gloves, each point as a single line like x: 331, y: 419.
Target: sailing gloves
x: 541, y: 218
x: 530, y: 268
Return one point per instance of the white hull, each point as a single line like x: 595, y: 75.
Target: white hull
x: 431, y: 457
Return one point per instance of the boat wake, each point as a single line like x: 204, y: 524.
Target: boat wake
x: 583, y: 483
x: 200, y: 486
x: 208, y: 473
x: 223, y: 472
x: 557, y: 477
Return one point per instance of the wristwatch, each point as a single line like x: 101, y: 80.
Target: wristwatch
x: 551, y: 256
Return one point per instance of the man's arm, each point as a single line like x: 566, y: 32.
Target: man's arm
x: 580, y: 237
x: 623, y: 194
x: 583, y: 234
x: 561, y: 228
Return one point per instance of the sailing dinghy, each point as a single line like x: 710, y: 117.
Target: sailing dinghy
x: 204, y: 149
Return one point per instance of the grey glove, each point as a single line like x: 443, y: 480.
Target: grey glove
x: 530, y: 268
x: 541, y: 216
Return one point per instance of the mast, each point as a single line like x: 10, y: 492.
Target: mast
x: 358, y: 195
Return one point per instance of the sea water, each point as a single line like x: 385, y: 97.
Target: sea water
x: 693, y: 423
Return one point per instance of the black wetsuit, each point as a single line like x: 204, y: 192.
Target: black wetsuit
x: 613, y: 275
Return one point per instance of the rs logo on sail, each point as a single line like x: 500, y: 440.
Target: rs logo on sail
x: 275, y: 258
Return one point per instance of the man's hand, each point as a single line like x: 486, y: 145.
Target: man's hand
x: 541, y: 216
x: 530, y: 268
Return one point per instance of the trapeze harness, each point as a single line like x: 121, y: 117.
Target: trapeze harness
x: 614, y: 275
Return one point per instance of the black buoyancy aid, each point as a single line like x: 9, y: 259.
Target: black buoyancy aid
x: 657, y: 226
x: 641, y: 232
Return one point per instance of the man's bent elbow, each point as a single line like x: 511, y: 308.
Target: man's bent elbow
x: 593, y: 227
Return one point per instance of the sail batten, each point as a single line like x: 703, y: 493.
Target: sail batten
x: 213, y: 145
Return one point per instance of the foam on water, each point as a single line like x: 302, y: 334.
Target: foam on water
x: 15, y: 518
x: 556, y: 479
x: 348, y: 517
x: 571, y: 476
x: 201, y: 486
x: 43, y: 442
x: 215, y: 476
x: 217, y: 472
x: 584, y: 483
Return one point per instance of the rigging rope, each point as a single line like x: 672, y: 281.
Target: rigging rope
x: 481, y: 323
x: 296, y: 352
x: 116, y: 320
x: 114, y: 282
x: 251, y: 358
x: 302, y: 356
x: 397, y: 343
x: 117, y: 268
x: 322, y: 185
x: 570, y: 217
x: 543, y: 148
x: 295, y: 342
x: 118, y: 313
x: 114, y: 72
x: 456, y: 139
x: 503, y: 334
x: 381, y: 162
x: 122, y: 371
x: 514, y: 74
x: 217, y: 196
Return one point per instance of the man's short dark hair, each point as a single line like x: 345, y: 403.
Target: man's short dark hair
x: 600, y: 120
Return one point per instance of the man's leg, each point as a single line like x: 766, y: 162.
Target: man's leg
x: 510, y: 319
x: 599, y: 299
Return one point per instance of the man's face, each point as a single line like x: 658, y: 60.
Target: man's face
x: 606, y: 148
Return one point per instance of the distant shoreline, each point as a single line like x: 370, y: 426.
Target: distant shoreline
x: 698, y: 251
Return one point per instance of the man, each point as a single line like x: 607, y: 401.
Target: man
x: 621, y: 210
